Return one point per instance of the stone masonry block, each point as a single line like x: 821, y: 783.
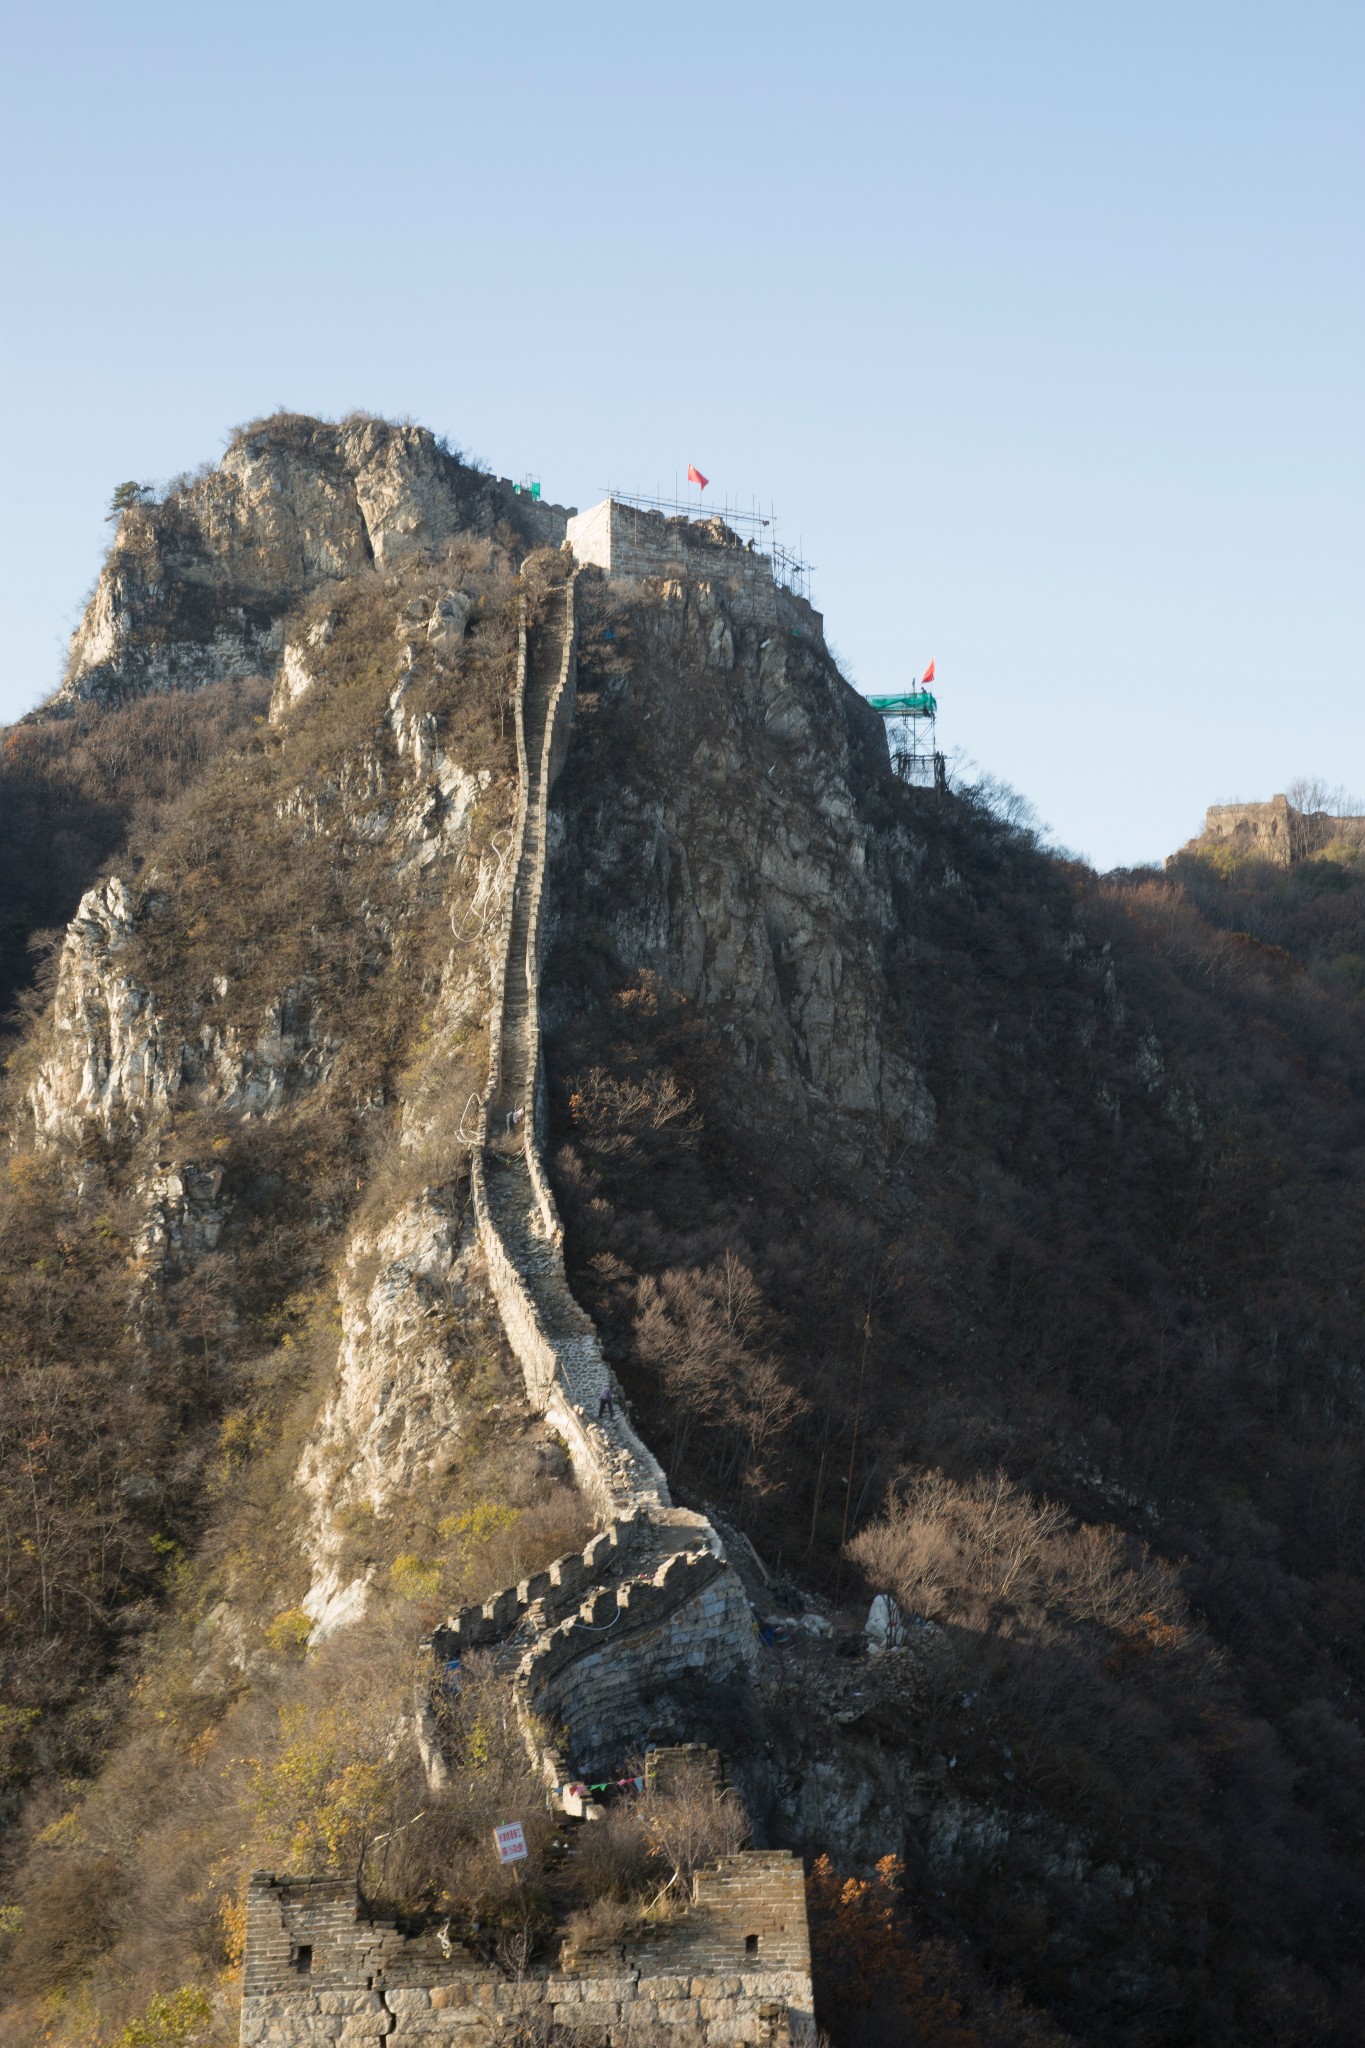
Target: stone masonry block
x: 597, y: 1988
x: 594, y: 2017
x: 731, y: 2028
x: 666, y: 1987
x: 502, y: 1609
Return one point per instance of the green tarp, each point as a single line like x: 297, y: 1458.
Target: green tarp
x: 914, y: 704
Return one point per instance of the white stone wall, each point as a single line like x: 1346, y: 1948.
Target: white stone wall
x: 628, y: 541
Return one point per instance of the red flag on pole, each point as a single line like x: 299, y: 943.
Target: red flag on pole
x: 928, y: 675
x: 694, y: 476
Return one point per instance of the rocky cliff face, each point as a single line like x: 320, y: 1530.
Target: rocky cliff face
x: 728, y: 847
x: 196, y: 587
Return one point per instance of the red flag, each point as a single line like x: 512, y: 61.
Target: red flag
x: 694, y: 476
x: 928, y: 675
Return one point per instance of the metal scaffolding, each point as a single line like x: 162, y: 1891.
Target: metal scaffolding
x: 754, y: 525
x: 912, y: 736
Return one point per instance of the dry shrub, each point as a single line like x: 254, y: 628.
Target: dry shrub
x: 613, y: 1863
x: 709, y: 1338
x: 448, y: 1862
x: 690, y: 1822
x: 643, y: 1855
x: 556, y: 1522
x: 603, y: 1923
x: 984, y: 1549
x: 611, y: 1113
x: 67, y: 1918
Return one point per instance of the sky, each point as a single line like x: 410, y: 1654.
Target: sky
x: 1040, y: 325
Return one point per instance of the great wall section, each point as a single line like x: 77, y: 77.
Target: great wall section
x: 651, y: 1598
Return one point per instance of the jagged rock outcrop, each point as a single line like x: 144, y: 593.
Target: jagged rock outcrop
x: 197, y: 586
x: 395, y: 1415
x: 111, y: 1053
x: 115, y: 1059
x: 183, y: 1217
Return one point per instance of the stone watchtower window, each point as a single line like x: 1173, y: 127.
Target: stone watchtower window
x: 303, y: 1957
x: 751, y: 1944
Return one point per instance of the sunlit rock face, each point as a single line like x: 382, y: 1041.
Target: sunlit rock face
x: 196, y: 587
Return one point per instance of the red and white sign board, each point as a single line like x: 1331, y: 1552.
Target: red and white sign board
x: 510, y: 1842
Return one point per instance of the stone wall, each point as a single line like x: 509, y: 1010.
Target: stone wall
x: 553, y: 1339
x: 564, y: 1581
x: 734, y: 1968
x: 681, y: 1611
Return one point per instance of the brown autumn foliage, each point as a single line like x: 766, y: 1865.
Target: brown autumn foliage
x: 1125, y: 1276
x: 129, y: 1403
x: 878, y: 1982
x: 72, y: 789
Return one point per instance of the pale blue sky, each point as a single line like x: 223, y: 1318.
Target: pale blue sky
x: 1041, y: 325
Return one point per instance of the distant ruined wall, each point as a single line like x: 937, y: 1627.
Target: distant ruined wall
x: 1276, y: 831
x: 736, y: 1968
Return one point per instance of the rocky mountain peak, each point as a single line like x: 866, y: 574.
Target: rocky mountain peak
x: 196, y: 585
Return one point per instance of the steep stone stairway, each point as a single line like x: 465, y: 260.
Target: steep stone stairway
x: 669, y: 1602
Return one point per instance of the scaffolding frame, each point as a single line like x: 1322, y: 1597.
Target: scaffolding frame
x: 911, y: 720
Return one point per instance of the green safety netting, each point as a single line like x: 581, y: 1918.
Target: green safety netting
x: 912, y: 704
